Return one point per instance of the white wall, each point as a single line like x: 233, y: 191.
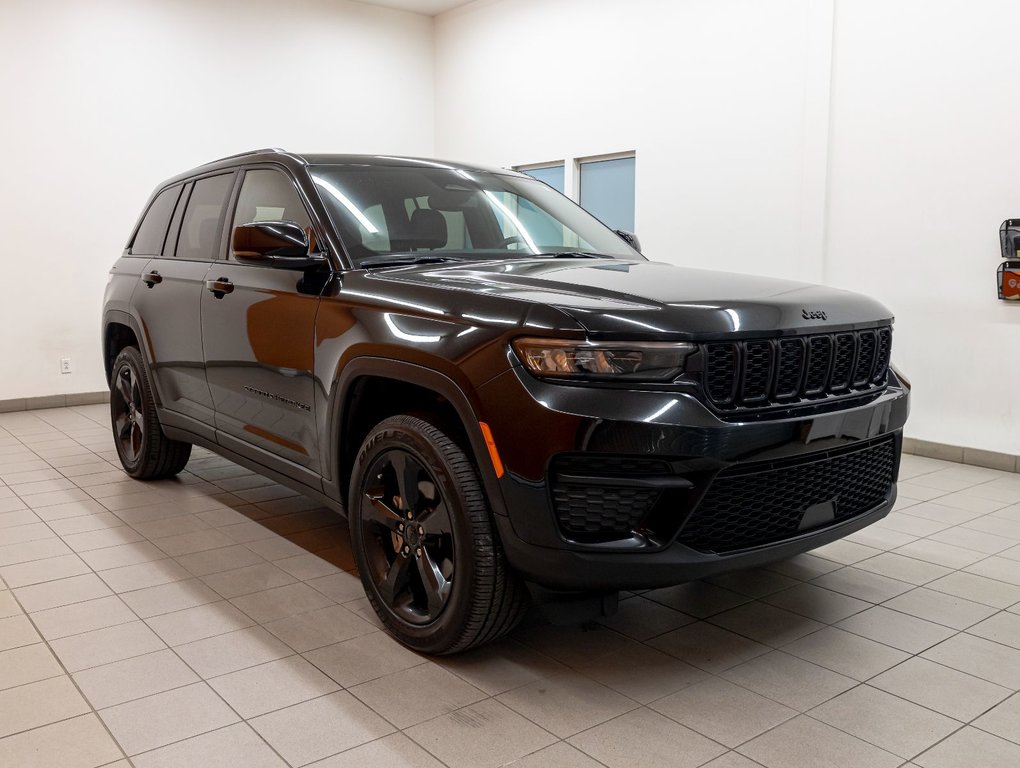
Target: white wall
x: 721, y: 101
x: 103, y: 100
x: 923, y: 170
x: 862, y: 143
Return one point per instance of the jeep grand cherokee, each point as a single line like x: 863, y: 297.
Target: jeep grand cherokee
x: 502, y: 395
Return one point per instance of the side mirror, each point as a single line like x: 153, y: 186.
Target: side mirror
x: 1009, y: 238
x: 631, y: 239
x: 279, y: 244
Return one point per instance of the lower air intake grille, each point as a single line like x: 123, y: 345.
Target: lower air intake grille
x: 749, y: 506
x: 612, y: 512
x: 601, y: 512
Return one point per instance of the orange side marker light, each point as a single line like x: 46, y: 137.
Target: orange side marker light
x: 497, y: 463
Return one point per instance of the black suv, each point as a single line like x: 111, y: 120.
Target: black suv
x: 502, y: 395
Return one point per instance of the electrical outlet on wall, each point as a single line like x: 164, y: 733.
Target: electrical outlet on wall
x: 65, y: 365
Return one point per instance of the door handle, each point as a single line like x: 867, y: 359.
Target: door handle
x: 219, y: 287
x: 151, y: 278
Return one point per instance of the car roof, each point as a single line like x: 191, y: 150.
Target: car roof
x: 295, y: 160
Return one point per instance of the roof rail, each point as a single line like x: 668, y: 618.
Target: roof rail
x: 276, y: 150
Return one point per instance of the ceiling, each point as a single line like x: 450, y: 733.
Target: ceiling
x: 426, y: 7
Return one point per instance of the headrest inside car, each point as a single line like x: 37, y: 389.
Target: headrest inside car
x: 428, y: 229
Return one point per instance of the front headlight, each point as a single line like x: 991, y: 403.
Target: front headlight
x: 603, y: 361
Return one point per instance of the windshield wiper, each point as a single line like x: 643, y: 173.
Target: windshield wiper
x: 572, y: 255
x: 402, y: 260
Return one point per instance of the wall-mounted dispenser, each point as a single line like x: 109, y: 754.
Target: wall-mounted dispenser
x: 1009, y: 269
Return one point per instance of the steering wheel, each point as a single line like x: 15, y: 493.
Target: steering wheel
x: 507, y: 241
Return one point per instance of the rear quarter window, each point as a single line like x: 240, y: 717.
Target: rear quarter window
x: 151, y: 232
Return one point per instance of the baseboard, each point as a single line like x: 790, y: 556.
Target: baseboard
x: 1006, y: 462
x: 54, y: 401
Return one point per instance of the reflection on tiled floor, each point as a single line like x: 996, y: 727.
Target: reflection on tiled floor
x: 213, y: 620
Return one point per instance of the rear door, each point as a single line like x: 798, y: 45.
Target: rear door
x: 170, y: 302
x: 259, y: 338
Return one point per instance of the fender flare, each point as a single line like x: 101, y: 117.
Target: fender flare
x: 121, y: 317
x: 400, y: 370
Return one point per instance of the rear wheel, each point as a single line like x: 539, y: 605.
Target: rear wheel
x: 425, y: 543
x: 145, y: 452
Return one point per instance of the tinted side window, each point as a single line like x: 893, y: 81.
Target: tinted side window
x: 268, y: 195
x: 152, y: 231
x: 200, y: 230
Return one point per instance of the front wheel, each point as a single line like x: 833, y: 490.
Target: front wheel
x: 144, y: 451
x: 425, y: 543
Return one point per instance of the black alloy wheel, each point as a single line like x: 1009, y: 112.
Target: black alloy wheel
x: 408, y: 535
x: 128, y: 414
x: 145, y: 452
x: 425, y: 543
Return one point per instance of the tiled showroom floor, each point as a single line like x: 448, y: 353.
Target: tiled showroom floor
x: 213, y: 621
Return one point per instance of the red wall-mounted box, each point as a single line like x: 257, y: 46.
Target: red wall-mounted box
x: 1009, y: 281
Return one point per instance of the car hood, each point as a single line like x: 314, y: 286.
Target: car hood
x: 612, y: 297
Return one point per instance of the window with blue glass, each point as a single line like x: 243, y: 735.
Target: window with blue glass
x: 607, y: 191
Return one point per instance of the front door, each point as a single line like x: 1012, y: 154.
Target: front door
x: 258, y: 327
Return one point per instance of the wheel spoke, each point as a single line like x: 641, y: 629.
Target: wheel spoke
x: 437, y: 516
x: 140, y: 424
x: 136, y: 394
x: 124, y: 387
x: 407, y: 471
x: 378, y: 511
x: 122, y: 427
x: 136, y: 439
x: 437, y: 588
x: 395, y: 579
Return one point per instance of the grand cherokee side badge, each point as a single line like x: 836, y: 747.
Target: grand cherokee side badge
x: 814, y: 314
x: 277, y: 398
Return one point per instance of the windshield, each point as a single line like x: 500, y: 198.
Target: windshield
x: 402, y: 214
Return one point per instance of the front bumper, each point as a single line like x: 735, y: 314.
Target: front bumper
x: 534, y: 421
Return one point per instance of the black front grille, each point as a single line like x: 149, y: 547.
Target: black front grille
x: 816, y: 377
x: 602, y: 512
x: 757, y: 371
x: 763, y: 503
x: 866, y: 348
x: 791, y: 364
x: 882, y: 356
x: 762, y: 372
x: 722, y: 358
x: 843, y: 362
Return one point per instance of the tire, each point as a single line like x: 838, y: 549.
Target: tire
x: 145, y: 452
x: 425, y: 542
